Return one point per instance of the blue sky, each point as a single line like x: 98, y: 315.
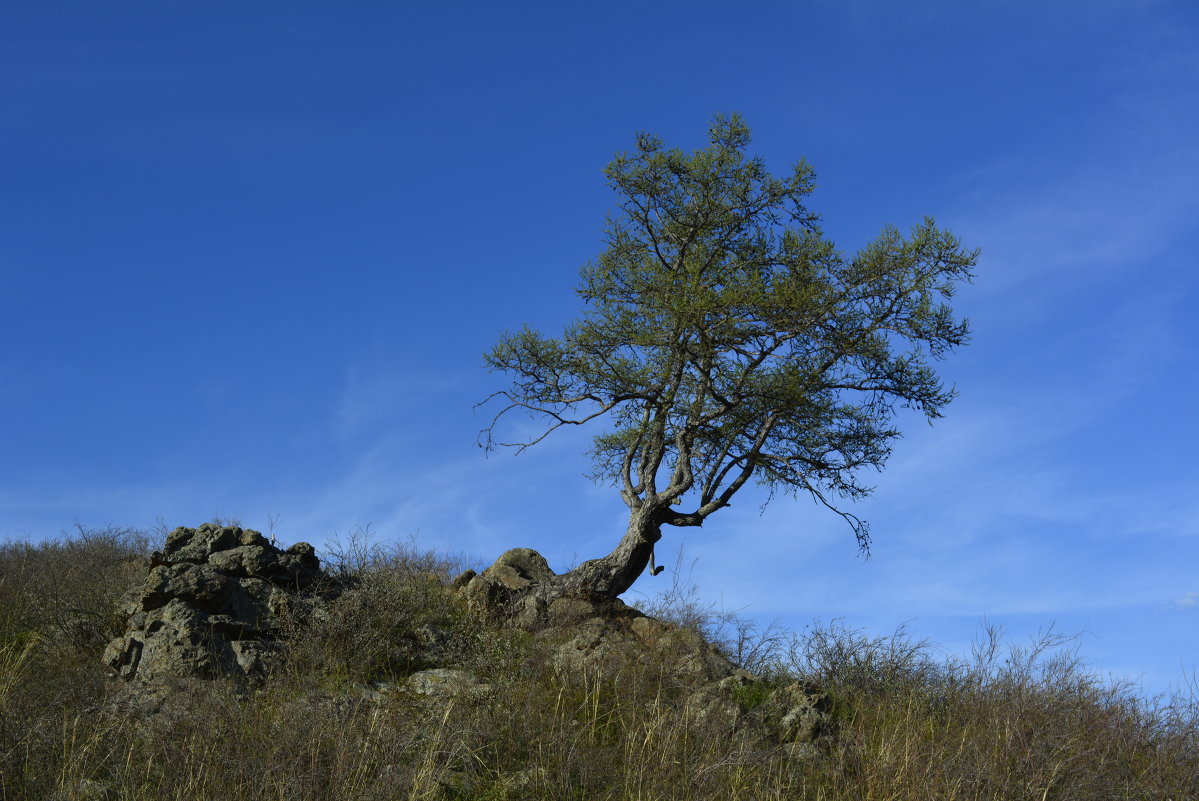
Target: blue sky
x: 250, y: 255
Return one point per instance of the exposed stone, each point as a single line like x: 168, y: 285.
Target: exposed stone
x: 793, y: 718
x: 798, y: 713
x: 530, y: 613
x: 485, y: 596
x: 438, y: 646
x: 713, y: 706
x: 447, y: 683
x: 693, y: 654
x: 566, y: 611
x: 606, y: 636
x: 597, y: 646
x: 520, y: 568
x: 462, y: 579
x: 214, y: 603
x: 595, y: 634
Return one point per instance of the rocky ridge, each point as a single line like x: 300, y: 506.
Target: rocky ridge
x: 215, y: 603
x: 606, y: 635
x: 217, y: 600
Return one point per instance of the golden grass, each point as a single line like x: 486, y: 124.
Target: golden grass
x: 1008, y: 724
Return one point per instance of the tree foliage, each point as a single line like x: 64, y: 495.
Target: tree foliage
x: 725, y: 338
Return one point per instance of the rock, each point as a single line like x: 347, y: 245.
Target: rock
x: 615, y: 639
x: 519, y: 568
x: 530, y: 613
x: 605, y: 636
x: 797, y: 713
x: 596, y: 645
x: 720, y: 704
x: 214, y: 603
x: 713, y: 706
x: 567, y: 611
x: 793, y: 718
x: 462, y: 579
x: 693, y: 655
x: 447, y: 683
x: 485, y: 596
x: 594, y: 633
x: 160, y: 706
x: 438, y: 646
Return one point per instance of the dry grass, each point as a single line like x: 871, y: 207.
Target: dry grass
x: 1009, y: 723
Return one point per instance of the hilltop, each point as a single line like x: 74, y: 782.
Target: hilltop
x: 213, y: 664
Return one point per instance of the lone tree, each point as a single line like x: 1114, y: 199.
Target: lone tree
x: 726, y: 339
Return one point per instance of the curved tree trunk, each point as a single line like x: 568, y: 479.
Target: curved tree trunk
x: 609, y: 576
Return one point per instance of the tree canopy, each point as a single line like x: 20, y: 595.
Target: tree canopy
x: 724, y: 338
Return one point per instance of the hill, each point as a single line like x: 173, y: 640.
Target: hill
x: 220, y: 667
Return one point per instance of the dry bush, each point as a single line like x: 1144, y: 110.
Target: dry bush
x: 387, y: 591
x: 69, y: 584
x: 759, y: 649
x: 58, y: 602
x: 1011, y: 722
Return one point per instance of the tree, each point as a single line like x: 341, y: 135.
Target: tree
x: 726, y: 339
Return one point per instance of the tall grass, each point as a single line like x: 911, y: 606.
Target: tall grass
x: 334, y: 722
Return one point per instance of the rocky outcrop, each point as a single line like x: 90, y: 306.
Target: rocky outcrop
x: 214, y: 604
x: 218, y: 600
x: 605, y: 635
x: 595, y: 633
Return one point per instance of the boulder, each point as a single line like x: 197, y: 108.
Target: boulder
x: 485, y: 596
x: 214, y: 603
x: 520, y: 568
x: 446, y: 683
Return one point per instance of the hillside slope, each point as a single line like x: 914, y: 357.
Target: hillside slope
x: 391, y: 674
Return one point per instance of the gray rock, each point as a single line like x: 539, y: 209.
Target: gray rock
x: 596, y: 645
x: 713, y: 706
x: 245, y: 560
x: 691, y: 654
x: 447, y: 683
x: 567, y: 611
x: 462, y: 579
x: 214, y: 603
x: 485, y: 596
x: 519, y: 568
x: 792, y: 718
x: 438, y: 646
x: 604, y: 637
x: 797, y: 713
x: 530, y: 613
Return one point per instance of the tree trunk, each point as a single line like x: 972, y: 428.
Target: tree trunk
x: 609, y: 576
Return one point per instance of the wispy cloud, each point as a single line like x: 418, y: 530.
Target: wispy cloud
x: 1188, y: 601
